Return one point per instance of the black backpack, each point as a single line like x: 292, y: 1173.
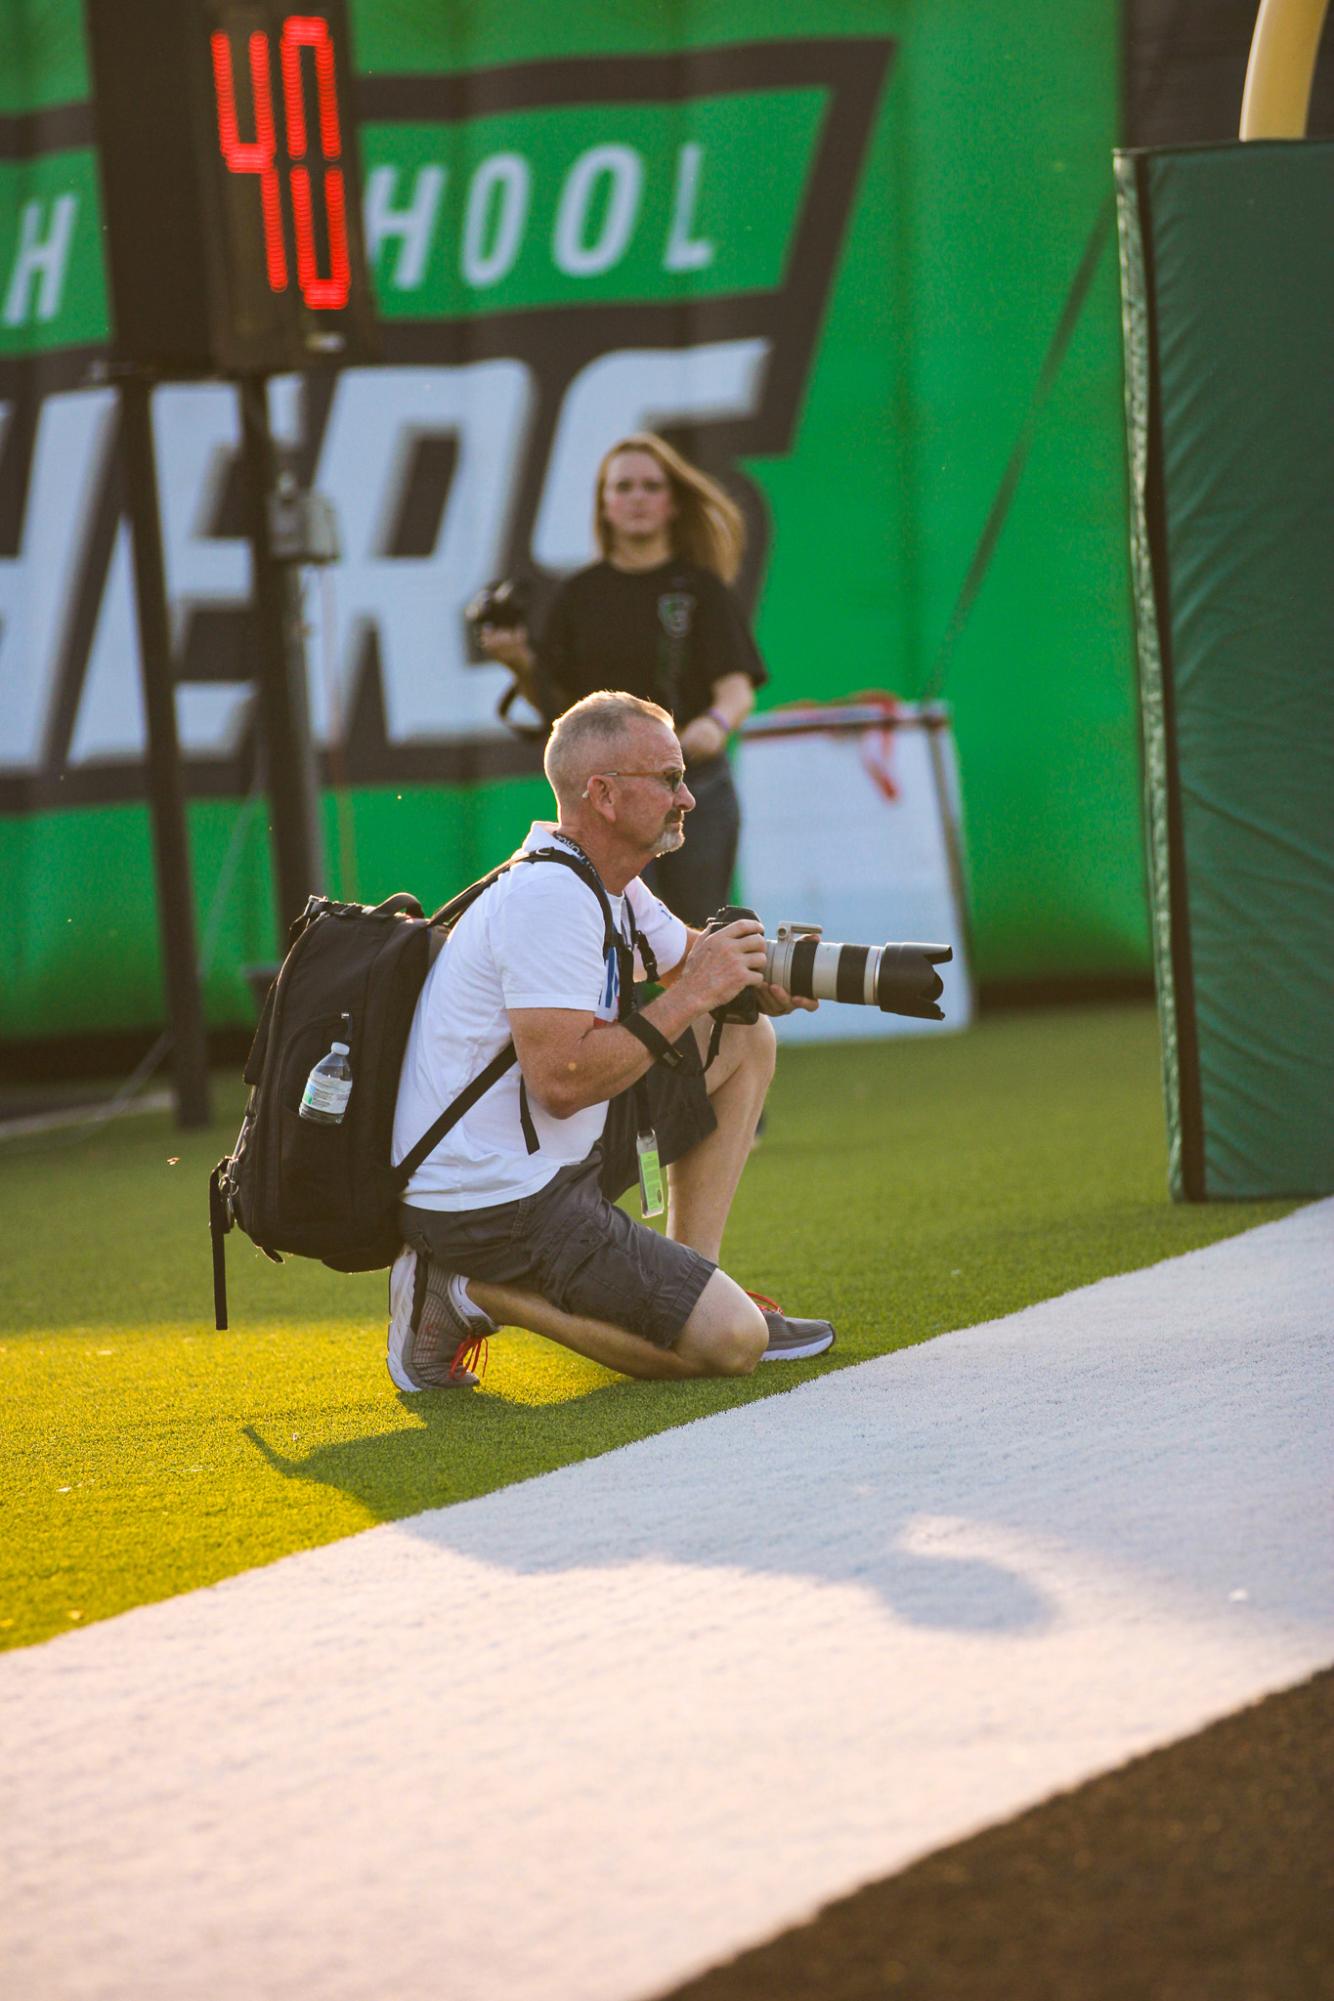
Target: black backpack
x: 331, y: 1192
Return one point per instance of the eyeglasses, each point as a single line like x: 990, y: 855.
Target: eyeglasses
x: 673, y: 780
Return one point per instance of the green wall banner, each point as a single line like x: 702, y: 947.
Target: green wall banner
x: 826, y: 256
x: 1228, y: 276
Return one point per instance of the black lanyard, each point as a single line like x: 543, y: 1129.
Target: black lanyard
x: 624, y: 948
x: 627, y: 942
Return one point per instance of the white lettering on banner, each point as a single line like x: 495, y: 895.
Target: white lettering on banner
x: 287, y: 407
x: 623, y: 168
x: 39, y: 586
x: 684, y: 251
x: 370, y: 467
x: 411, y: 227
x: 634, y: 389
x: 415, y: 603
x: 501, y: 184
x: 498, y: 206
x: 109, y: 726
x: 40, y: 262
x: 197, y: 431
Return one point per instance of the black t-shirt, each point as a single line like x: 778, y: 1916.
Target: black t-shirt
x: 668, y: 634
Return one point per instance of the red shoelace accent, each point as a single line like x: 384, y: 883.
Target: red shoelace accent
x: 471, y: 1354
x: 763, y: 1300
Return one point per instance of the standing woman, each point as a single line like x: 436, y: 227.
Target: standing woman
x: 656, y: 617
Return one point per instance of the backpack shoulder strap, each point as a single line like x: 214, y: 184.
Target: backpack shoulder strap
x: 444, y: 919
x: 613, y: 939
x: 611, y: 936
x: 449, y: 913
x: 466, y: 1099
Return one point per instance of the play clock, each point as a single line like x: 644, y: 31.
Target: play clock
x: 231, y: 191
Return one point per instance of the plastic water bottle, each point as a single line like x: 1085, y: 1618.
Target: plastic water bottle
x: 328, y: 1088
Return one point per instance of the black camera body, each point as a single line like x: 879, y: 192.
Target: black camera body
x: 898, y: 979
x: 503, y: 603
x: 743, y: 1008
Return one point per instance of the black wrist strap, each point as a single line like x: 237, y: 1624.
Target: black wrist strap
x: 659, y: 1048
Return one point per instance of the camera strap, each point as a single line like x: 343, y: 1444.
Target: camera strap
x: 624, y: 945
x: 652, y: 1200
x: 659, y: 1048
x: 715, y: 1035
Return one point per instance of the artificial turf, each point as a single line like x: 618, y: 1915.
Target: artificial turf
x: 902, y: 1189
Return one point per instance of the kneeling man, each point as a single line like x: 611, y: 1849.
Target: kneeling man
x: 512, y: 1219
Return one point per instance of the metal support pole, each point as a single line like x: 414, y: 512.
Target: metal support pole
x: 1276, y: 100
x: 291, y: 771
x: 166, y: 791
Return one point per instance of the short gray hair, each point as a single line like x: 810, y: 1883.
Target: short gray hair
x: 581, y: 739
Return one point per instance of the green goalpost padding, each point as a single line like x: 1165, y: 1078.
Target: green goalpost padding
x: 1227, y: 265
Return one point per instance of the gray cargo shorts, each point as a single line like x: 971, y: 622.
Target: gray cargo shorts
x: 569, y: 1242
x: 574, y: 1247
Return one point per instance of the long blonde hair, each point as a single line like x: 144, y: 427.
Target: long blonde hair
x: 708, y: 528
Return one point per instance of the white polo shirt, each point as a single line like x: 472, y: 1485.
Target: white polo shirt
x: 534, y: 939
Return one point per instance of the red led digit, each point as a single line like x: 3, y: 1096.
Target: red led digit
x: 252, y: 156
x: 310, y: 31
x: 321, y: 293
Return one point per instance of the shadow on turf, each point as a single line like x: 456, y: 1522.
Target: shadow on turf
x: 411, y: 1477
x: 459, y: 1446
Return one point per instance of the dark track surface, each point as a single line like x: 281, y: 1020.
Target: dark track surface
x: 1204, y: 1872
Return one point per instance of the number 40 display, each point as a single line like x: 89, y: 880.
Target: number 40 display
x: 260, y: 155
x: 230, y: 184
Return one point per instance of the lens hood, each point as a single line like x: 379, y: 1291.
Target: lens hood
x: 907, y: 982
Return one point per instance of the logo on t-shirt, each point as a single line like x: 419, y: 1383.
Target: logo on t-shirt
x: 675, y: 611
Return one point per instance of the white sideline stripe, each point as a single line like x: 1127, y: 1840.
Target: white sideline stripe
x: 586, y: 1736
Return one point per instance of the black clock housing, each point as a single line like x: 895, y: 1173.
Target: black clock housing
x: 231, y: 186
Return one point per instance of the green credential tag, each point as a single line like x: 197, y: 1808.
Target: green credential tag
x: 651, y: 1199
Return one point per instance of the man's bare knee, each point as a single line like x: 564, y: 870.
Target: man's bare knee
x: 726, y: 1333
x: 756, y: 1048
x: 749, y: 1048
x: 738, y: 1352
x: 764, y: 1042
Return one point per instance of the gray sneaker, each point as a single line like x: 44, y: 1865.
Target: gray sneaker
x: 792, y: 1340
x: 433, y: 1335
